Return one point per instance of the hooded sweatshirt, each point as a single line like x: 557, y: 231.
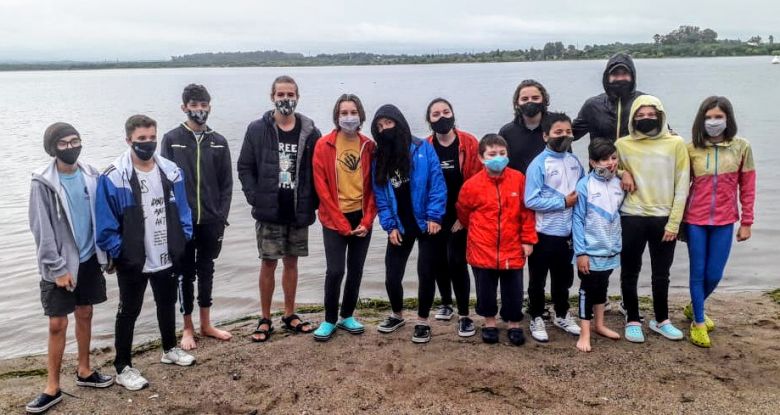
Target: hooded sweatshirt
x: 51, y: 224
x: 607, y: 115
x: 660, y: 167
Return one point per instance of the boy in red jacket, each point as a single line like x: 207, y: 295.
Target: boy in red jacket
x: 501, y: 235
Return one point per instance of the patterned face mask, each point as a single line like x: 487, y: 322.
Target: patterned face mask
x: 603, y: 172
x: 198, y: 117
x: 286, y: 106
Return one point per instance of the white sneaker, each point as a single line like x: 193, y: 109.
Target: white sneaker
x: 131, y: 379
x: 538, y: 332
x: 567, y: 324
x: 177, y: 356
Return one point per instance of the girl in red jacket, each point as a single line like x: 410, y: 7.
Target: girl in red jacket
x: 342, y: 179
x: 501, y: 235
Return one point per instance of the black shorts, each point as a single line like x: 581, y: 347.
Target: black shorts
x: 90, y: 290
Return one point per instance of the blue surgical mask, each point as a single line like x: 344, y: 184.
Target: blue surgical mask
x: 497, y: 164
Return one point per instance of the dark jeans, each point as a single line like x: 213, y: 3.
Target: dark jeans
x: 593, y: 290
x: 553, y: 254
x: 450, y: 268
x: 132, y: 286
x: 395, y: 267
x: 639, y: 231
x: 340, y: 252
x: 487, y: 281
x: 198, y: 261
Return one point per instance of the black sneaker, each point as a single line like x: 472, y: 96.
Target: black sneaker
x: 43, y: 402
x: 444, y: 312
x: 466, y: 327
x: 390, y: 324
x: 422, y: 333
x: 95, y: 380
x: 490, y: 335
x: 516, y: 336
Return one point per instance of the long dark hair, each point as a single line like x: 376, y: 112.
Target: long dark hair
x: 392, y: 156
x: 699, y: 133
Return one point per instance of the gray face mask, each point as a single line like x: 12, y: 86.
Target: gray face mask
x: 604, y: 173
x: 715, y: 127
x: 349, y: 123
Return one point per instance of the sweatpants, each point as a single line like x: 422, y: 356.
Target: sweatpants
x: 708, y: 250
x: 343, y: 252
x: 450, y: 268
x: 593, y: 290
x: 639, y: 231
x: 395, y: 267
x: 132, y: 286
x: 487, y: 282
x: 553, y: 254
x: 198, y: 262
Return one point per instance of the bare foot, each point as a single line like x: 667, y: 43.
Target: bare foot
x: 604, y: 331
x: 583, y: 344
x: 215, y: 333
x: 188, y: 340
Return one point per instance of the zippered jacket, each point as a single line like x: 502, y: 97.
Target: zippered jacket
x: 549, y: 179
x: 468, y: 153
x: 596, y: 230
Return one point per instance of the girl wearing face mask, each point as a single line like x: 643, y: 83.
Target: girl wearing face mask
x: 651, y: 214
x: 524, y: 134
x: 342, y: 179
x: 723, y: 178
x: 457, y: 151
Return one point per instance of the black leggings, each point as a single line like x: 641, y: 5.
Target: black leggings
x: 395, y: 267
x: 639, y: 231
x: 553, y: 254
x: 593, y: 290
x: 336, y: 248
x: 450, y: 268
x: 132, y: 286
x: 198, y: 261
x: 487, y: 281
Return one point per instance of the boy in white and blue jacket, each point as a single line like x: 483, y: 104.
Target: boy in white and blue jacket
x: 597, y: 237
x: 551, y: 179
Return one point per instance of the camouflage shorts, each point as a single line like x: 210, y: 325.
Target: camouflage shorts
x: 275, y: 241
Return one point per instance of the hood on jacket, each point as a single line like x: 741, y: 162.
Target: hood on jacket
x: 644, y: 101
x: 619, y: 59
x: 392, y: 112
x: 50, y: 176
x: 124, y: 165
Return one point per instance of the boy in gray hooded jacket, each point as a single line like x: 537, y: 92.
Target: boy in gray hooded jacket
x: 62, y: 221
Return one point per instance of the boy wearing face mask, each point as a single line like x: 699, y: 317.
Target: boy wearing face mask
x: 501, y: 236
x: 275, y: 169
x: 143, y: 223
x: 597, y: 237
x: 551, y: 180
x: 651, y: 215
x: 524, y: 134
x: 62, y: 220
x: 204, y: 157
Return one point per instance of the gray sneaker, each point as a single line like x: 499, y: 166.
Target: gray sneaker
x: 177, y: 356
x: 444, y: 312
x: 131, y: 379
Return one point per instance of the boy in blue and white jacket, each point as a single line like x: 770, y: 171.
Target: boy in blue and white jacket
x: 550, y: 184
x: 597, y: 237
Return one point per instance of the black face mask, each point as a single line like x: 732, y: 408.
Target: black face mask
x: 443, y: 125
x: 647, y: 125
x: 198, y: 117
x: 560, y: 144
x: 387, y: 137
x: 529, y: 109
x: 69, y: 155
x: 144, y: 150
x: 621, y: 88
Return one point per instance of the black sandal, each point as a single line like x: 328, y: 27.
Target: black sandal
x: 516, y: 336
x: 266, y: 333
x: 490, y: 335
x: 299, y: 327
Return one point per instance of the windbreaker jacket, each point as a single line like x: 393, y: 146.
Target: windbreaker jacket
x: 724, y: 177
x: 596, y: 230
x: 52, y: 226
x: 326, y: 183
x: 120, y: 216
x: 468, y: 153
x: 550, y: 178
x: 498, y: 223
x: 660, y: 167
x: 207, y: 169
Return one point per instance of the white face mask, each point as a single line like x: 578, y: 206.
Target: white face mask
x: 349, y: 123
x: 715, y: 127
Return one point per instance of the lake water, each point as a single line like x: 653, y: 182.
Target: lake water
x: 98, y: 103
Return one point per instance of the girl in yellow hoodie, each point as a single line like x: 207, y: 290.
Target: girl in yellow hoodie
x: 657, y: 160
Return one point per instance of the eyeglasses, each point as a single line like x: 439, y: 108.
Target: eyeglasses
x: 63, y: 145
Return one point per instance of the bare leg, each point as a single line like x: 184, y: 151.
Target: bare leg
x: 490, y: 321
x: 598, y: 323
x: 207, y: 329
x: 583, y: 344
x: 58, y: 327
x: 83, y: 338
x: 289, y: 283
x: 267, y: 285
x: 188, y: 334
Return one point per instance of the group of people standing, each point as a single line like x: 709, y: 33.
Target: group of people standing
x: 158, y: 217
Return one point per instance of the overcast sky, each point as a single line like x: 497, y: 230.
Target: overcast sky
x: 157, y: 29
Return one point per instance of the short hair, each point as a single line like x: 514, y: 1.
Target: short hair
x: 348, y: 98
x: 601, y: 148
x: 138, y: 121
x: 491, y: 140
x: 195, y: 92
x: 284, y: 79
x: 534, y: 83
x: 699, y: 134
x: 551, y: 118
x: 431, y: 104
